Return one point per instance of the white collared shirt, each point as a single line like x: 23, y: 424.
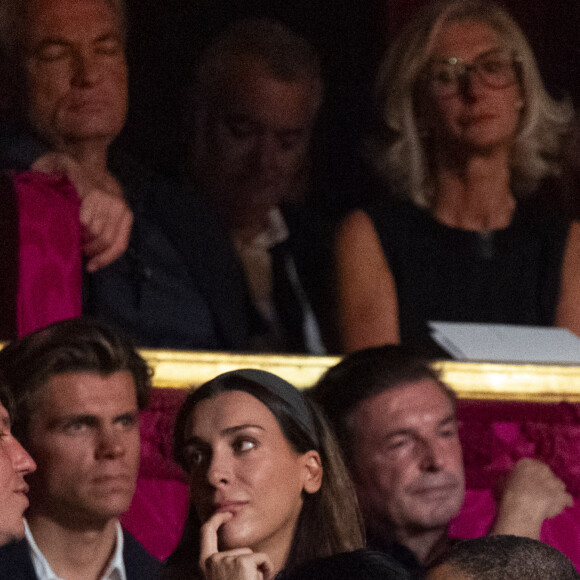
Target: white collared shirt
x: 115, y: 569
x: 257, y: 263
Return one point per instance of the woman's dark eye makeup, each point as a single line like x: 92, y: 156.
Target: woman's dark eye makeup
x: 195, y: 456
x: 197, y: 453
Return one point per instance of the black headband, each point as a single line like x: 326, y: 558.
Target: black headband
x: 283, y: 389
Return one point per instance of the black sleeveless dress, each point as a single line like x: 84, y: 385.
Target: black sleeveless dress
x: 442, y: 273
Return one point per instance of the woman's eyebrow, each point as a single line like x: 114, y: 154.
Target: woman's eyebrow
x: 236, y: 428
x: 224, y: 432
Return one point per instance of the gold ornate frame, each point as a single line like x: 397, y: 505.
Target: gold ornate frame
x: 472, y: 380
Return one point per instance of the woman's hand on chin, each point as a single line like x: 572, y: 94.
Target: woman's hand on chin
x: 238, y: 564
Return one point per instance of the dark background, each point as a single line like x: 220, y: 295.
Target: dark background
x: 165, y: 37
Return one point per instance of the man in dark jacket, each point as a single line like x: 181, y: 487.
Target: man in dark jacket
x: 171, y: 280
x: 78, y: 388
x: 259, y: 88
x: 396, y: 421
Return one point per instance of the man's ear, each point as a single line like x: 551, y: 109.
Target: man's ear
x: 312, y: 471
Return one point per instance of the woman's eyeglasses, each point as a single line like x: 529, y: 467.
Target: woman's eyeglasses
x: 495, y: 69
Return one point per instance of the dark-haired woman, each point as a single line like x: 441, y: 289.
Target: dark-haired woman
x: 269, y: 490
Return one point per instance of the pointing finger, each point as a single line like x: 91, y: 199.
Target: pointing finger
x: 209, y: 539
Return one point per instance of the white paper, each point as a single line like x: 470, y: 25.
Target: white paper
x: 507, y: 343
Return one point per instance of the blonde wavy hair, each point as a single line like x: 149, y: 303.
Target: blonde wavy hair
x: 400, y: 152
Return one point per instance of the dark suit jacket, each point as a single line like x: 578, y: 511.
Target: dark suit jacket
x: 179, y: 284
x: 199, y: 236
x: 16, y: 562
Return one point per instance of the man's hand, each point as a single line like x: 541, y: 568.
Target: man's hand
x: 532, y: 494
x: 239, y: 564
x: 107, y: 222
x: 104, y: 215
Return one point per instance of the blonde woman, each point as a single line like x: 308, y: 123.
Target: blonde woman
x: 471, y: 144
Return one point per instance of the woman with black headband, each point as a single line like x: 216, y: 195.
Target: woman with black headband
x: 269, y: 490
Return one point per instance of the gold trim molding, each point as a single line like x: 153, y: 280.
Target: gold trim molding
x: 181, y: 369
x: 481, y: 380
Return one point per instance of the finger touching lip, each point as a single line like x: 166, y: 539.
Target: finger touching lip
x: 229, y: 507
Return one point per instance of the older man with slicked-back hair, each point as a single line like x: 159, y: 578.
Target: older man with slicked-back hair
x: 78, y: 386
x: 67, y: 71
x: 397, y: 424
x: 178, y: 284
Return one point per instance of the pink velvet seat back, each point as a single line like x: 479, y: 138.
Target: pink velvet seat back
x: 49, y: 252
x: 494, y: 436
